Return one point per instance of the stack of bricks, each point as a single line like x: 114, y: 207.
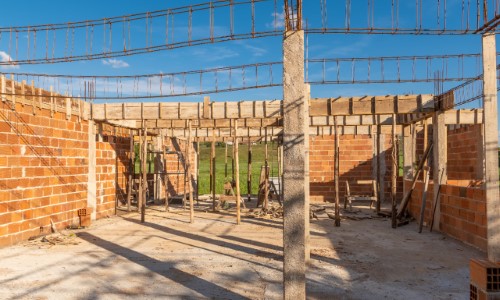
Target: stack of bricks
x: 484, y: 280
x: 43, y: 170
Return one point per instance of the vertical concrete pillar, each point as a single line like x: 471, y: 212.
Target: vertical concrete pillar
x: 491, y: 145
x: 295, y: 156
x: 439, y: 149
x: 91, y: 184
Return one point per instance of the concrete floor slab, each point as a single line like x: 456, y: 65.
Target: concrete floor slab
x: 168, y: 258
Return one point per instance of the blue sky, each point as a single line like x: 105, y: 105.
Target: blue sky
x: 268, y: 49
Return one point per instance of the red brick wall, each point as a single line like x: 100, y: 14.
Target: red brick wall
x: 462, y: 211
x: 43, y: 167
x: 112, y: 161
x: 464, y: 154
x: 356, y: 155
x: 175, y: 164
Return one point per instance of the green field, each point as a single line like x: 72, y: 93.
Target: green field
x: 258, y: 151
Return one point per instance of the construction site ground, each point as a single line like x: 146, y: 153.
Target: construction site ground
x: 168, y: 258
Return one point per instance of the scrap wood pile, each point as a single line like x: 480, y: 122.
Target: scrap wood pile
x: 48, y: 241
x: 274, y: 212
x: 328, y: 212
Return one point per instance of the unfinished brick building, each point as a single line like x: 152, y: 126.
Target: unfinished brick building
x: 60, y: 155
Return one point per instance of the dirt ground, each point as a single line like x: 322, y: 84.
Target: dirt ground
x: 168, y: 258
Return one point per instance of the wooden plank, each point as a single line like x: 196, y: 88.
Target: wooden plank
x: 188, y: 167
x: 336, y: 172
x: 394, y: 174
x: 237, y: 175
x: 144, y: 174
x: 4, y: 87
x: 13, y: 91
x: 214, y: 165
x: 206, y: 107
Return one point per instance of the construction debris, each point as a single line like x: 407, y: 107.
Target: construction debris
x: 274, y: 212
x: 54, y: 239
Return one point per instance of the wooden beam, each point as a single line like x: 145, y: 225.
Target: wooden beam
x: 144, y: 174
x: 249, y: 170
x: 166, y: 180
x: 336, y: 176
x: 131, y: 170
x: 368, y: 105
x: 394, y: 174
x: 237, y: 175
x: 188, y: 167
x: 213, y: 181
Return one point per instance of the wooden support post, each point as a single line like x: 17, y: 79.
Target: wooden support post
x: 144, y: 175
x: 426, y: 138
x: 212, y: 150
x: 280, y: 182
x: 131, y: 170
x: 266, y: 172
x: 40, y: 101
x: 33, y: 100
x: 225, y: 161
x: 237, y: 172
x: 165, y: 163
x: 394, y: 174
x: 295, y: 173
x: 440, y: 174
x: 52, y: 104
x: 185, y: 190
x: 4, y: 87
x: 336, y: 172
x: 188, y: 167
x: 197, y: 171
x: 249, y: 170
x: 68, y: 108
x: 213, y: 159
x: 141, y: 159
x: 491, y: 145
x: 23, y: 92
x: 13, y: 91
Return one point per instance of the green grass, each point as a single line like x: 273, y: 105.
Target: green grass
x: 257, y: 161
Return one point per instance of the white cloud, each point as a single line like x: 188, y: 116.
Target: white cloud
x: 115, y: 63
x: 278, y: 21
x: 4, y: 57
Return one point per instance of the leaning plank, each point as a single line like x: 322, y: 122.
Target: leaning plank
x: 406, y: 198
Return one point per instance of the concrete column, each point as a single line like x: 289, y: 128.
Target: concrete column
x: 439, y: 150
x: 295, y: 156
x: 91, y: 184
x: 491, y: 145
